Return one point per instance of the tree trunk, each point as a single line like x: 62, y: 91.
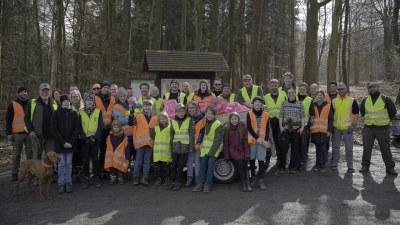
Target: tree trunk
x: 125, y: 37
x: 345, y: 37
x: 183, y: 26
x: 199, y: 25
x: 254, y: 37
x: 215, y: 27
x: 151, y: 24
x: 157, y: 26
x: 395, y: 25
x: 38, y: 38
x: 62, y: 50
x: 56, y: 43
x: 231, y: 43
x: 333, y: 43
x: 292, y: 55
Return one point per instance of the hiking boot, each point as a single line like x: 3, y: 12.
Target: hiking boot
x: 261, y: 184
x: 135, y: 181
x: 14, y: 177
x: 85, y: 183
x: 198, y: 187
x: 244, y: 188
x: 177, y: 186
x: 322, y: 168
x: 248, y: 187
x: 333, y: 167
x: 364, y: 169
x: 351, y: 170
x: 391, y: 171
x: 292, y: 171
x: 121, y: 180
x: 316, y: 167
x: 61, y: 189
x: 301, y: 167
x: 207, y: 188
x: 68, y: 188
x: 97, y: 182
x: 158, y: 181
x: 144, y: 181
x: 113, y: 180
x: 168, y: 184
x: 253, y: 181
x: 189, y: 181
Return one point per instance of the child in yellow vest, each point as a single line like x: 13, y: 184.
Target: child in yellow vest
x: 116, y: 159
x: 162, y: 149
x: 182, y: 139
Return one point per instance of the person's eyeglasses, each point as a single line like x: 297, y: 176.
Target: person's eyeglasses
x: 96, y: 89
x: 217, y: 84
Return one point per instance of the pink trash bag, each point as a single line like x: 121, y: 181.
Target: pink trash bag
x: 169, y: 108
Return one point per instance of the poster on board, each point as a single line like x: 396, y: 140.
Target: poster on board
x: 135, y: 85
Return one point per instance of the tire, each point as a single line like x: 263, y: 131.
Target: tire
x: 224, y: 173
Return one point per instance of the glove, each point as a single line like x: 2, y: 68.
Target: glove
x: 10, y: 137
x: 90, y: 141
x: 350, y: 129
x: 138, y: 106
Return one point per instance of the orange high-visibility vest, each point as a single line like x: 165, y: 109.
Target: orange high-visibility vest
x: 206, y: 100
x: 107, y: 113
x: 320, y: 123
x: 116, y: 158
x: 263, y: 126
x: 128, y: 130
x: 328, y: 99
x: 18, y: 124
x: 141, y: 132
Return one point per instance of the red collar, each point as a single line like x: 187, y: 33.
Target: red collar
x: 46, y: 165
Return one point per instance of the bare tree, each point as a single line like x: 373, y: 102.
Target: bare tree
x: 183, y: 25
x: 333, y: 43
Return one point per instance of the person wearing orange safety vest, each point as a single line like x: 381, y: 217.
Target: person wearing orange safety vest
x: 16, y: 131
x: 248, y: 92
x: 321, y: 129
x: 345, y: 111
x: 144, y: 144
x: 105, y: 102
x: 378, y: 111
x: 203, y: 95
x: 116, y: 161
x: 258, y: 135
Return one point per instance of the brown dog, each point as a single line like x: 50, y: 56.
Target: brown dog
x: 42, y: 169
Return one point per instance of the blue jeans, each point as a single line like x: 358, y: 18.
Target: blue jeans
x: 140, y: 152
x: 65, y: 168
x: 193, y: 157
x: 207, y: 164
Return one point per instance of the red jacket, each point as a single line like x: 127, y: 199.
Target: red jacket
x: 233, y: 147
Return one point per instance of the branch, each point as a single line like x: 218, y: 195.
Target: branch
x: 320, y: 4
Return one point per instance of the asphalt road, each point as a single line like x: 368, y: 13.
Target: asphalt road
x: 308, y: 197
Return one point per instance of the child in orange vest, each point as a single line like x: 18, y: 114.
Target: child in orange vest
x: 162, y: 149
x: 142, y: 141
x: 116, y: 159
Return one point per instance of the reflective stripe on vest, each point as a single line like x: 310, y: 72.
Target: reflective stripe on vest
x: 208, y: 140
x: 376, y: 114
x: 306, y: 105
x: 320, y: 123
x: 162, y: 147
x: 128, y: 130
x: 272, y: 107
x: 231, y: 97
x: 343, y: 116
x: 260, y: 131
x: 106, y: 113
x: 181, y: 133
x: 33, y: 106
x: 90, y: 124
x: 246, y: 96
x: 116, y: 157
x: 141, y: 134
x: 18, y: 124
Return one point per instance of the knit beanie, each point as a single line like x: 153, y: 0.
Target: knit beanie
x: 258, y: 98
x: 333, y: 82
x: 116, y: 122
x: 320, y: 91
x: 88, y: 96
x: 105, y: 83
x: 120, y: 91
x: 226, y: 85
x: 64, y: 97
x: 21, y: 89
x: 175, y: 81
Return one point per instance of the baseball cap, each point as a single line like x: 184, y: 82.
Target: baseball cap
x: 247, y: 77
x: 44, y: 86
x: 179, y: 106
x: 95, y: 86
x: 341, y: 86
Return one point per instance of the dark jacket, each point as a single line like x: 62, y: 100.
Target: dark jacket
x: 233, y: 147
x: 10, y: 114
x: 320, y: 137
x: 65, y: 126
x: 41, y: 122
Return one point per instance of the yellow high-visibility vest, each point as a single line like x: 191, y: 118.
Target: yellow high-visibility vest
x: 90, y: 124
x: 162, y: 148
x: 208, y: 140
x: 272, y: 107
x: 181, y: 133
x: 343, y: 116
x: 246, y: 96
x: 376, y: 114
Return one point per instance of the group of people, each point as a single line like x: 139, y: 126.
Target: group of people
x: 110, y: 127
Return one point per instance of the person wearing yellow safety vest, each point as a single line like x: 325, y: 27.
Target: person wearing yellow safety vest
x: 258, y: 137
x: 273, y: 102
x: 291, y: 124
x: 203, y: 96
x: 345, y: 111
x: 144, y: 90
x: 90, y: 132
x: 211, y: 146
x: 187, y: 94
x: 248, y: 92
x: 155, y: 93
x: 117, y: 161
x: 217, y: 91
x: 182, y: 142
x: 38, y: 123
x: 105, y: 102
x: 321, y: 129
x: 175, y: 93
x: 226, y: 93
x: 378, y: 110
x: 309, y: 112
x: 76, y: 105
x: 287, y: 83
x: 16, y: 131
x: 143, y: 142
x: 162, y: 148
